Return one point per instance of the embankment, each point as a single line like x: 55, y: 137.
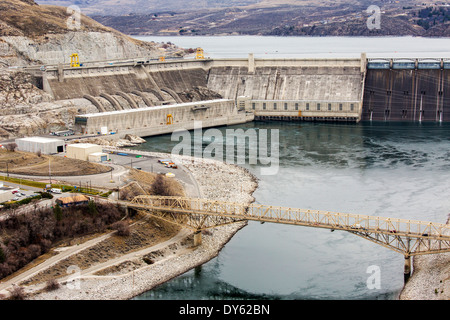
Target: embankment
x: 216, y: 180
x: 430, y: 279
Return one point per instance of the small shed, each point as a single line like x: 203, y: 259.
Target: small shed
x: 98, y: 157
x: 42, y: 144
x: 82, y: 151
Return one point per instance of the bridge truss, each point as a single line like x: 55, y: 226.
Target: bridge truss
x: 408, y: 237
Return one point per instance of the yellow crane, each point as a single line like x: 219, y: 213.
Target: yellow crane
x: 74, y: 60
x: 199, y: 55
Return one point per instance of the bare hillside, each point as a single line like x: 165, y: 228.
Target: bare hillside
x: 40, y: 34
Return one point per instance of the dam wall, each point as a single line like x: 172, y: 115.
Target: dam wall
x: 270, y: 89
x: 162, y: 119
x: 317, y: 89
x: 65, y: 82
x: 293, y: 89
x: 411, y: 94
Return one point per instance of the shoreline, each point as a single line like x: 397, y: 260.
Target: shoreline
x: 222, y: 181
x: 215, y: 180
x: 430, y: 279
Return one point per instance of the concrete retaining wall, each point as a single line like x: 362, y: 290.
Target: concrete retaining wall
x: 163, y: 119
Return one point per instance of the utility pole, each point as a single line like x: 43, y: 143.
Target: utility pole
x: 49, y: 171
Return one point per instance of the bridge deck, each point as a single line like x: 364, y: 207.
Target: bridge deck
x: 409, y: 237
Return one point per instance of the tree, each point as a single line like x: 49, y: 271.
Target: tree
x: 51, y: 285
x: 122, y: 227
x: 11, y: 147
x: 2, y: 255
x: 17, y: 293
x: 92, y: 208
x: 160, y: 187
x: 57, y: 210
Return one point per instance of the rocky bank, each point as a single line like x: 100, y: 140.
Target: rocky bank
x: 216, y: 180
x: 39, y: 35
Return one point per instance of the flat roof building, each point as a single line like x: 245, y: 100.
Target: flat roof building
x: 81, y: 151
x: 42, y: 144
x: 98, y: 157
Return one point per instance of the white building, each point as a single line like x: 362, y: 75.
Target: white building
x: 98, y: 157
x: 44, y: 145
x: 82, y: 151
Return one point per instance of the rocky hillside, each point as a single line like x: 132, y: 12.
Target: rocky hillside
x: 27, y: 110
x: 32, y: 34
x: 40, y: 34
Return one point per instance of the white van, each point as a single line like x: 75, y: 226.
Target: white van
x: 53, y: 190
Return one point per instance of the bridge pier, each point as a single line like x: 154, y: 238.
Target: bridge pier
x: 407, y: 269
x: 197, y: 238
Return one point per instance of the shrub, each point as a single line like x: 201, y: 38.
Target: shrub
x: 160, y: 187
x: 17, y: 293
x: 46, y: 195
x: 122, y: 227
x: 52, y: 285
x: 25, y: 236
x: 57, y: 211
x: 2, y: 255
x: 11, y: 146
x: 92, y: 208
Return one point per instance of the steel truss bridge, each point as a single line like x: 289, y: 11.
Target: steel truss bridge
x: 408, y: 237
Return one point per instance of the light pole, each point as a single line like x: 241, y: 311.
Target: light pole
x: 49, y: 171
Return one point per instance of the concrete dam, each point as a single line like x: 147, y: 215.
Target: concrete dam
x: 148, y: 97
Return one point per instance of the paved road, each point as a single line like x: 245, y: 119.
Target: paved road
x: 108, y: 180
x: 150, y: 164
x: 102, y: 180
x: 66, y: 252
x: 49, y: 262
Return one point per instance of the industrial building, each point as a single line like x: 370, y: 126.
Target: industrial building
x: 98, y: 157
x: 81, y: 151
x: 40, y: 144
x: 74, y: 200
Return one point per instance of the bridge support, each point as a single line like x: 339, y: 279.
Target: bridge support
x: 197, y: 238
x: 407, y: 269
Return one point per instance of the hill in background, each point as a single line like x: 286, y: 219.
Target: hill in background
x: 269, y: 17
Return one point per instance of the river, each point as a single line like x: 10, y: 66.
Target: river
x: 383, y: 169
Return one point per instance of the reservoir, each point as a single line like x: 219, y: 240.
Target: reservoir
x: 389, y: 169
x: 381, y: 169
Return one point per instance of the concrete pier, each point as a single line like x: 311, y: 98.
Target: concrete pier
x: 197, y: 238
x: 407, y: 268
